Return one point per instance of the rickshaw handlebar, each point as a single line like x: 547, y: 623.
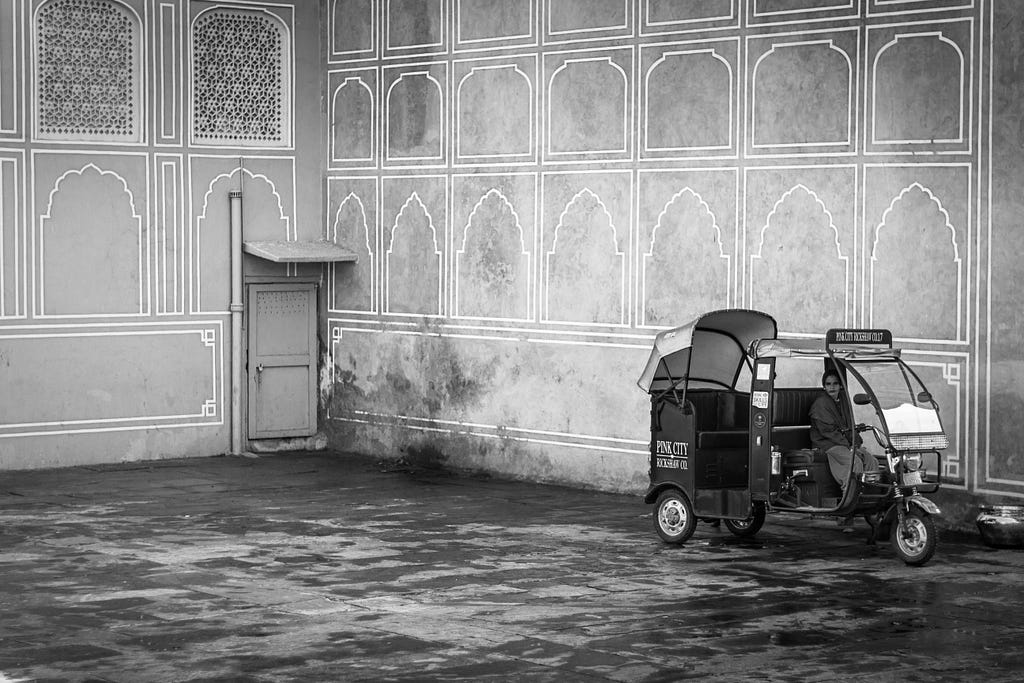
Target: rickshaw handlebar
x: 861, y: 427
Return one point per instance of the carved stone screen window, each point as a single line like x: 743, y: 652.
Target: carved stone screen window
x: 240, y: 79
x: 87, y: 71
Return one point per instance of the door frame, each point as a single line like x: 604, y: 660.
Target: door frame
x: 285, y: 283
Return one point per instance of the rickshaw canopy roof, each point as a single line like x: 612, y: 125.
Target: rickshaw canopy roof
x: 709, y: 351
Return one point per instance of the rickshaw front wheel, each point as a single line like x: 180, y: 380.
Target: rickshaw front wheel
x: 751, y: 525
x: 915, y: 540
x: 673, y: 517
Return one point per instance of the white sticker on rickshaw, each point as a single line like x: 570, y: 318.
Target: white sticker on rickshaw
x: 673, y: 463
x: 671, y: 448
x: 760, y: 399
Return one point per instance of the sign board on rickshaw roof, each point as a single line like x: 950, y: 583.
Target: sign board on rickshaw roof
x: 842, y: 338
x: 709, y: 351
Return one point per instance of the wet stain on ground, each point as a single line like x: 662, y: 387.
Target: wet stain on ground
x: 327, y: 567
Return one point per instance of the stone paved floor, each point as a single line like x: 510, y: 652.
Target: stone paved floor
x: 326, y: 567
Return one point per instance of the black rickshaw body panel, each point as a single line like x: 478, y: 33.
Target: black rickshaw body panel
x: 701, y: 447
x: 672, y: 443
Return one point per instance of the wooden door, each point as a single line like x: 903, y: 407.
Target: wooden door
x: 282, y: 360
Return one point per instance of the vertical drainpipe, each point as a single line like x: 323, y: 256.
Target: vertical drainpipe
x: 235, y: 199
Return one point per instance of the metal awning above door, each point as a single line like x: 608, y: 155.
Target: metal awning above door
x: 283, y: 251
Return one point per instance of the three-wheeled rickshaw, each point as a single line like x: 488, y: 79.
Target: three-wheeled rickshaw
x: 730, y: 431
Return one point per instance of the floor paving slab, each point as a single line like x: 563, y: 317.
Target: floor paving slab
x: 331, y: 567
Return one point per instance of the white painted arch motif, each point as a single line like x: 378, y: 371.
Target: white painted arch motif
x: 138, y: 230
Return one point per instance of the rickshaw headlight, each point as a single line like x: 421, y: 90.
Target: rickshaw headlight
x: 912, y: 462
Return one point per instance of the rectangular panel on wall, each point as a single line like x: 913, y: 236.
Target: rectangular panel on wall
x: 414, y: 110
x: 170, y: 240
x: 910, y: 109
x: 415, y: 27
x: 917, y: 6
x: 13, y: 267
x: 704, y: 122
x: 570, y: 20
x: 773, y: 11
x: 495, y: 23
x: 589, y: 105
x: 168, y: 82
x: 352, y: 29
x: 494, y: 113
x: 61, y: 379
x: 662, y: 16
x: 11, y: 73
x: 354, y: 110
x: 803, y: 93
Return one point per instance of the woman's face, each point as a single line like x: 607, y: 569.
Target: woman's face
x: 833, y: 387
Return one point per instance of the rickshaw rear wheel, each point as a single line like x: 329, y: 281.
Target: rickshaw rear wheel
x: 915, y: 540
x: 749, y: 526
x: 673, y: 517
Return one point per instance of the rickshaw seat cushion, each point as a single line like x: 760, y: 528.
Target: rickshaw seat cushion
x: 792, y: 438
x: 801, y: 458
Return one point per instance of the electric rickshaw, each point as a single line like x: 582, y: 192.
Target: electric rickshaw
x: 730, y: 431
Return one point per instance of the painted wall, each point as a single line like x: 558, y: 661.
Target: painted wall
x: 536, y: 188
x: 123, y: 126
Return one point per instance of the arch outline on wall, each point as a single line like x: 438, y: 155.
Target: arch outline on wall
x: 145, y: 292
x: 873, y: 258
x: 649, y: 254
x: 617, y: 252
x: 845, y: 260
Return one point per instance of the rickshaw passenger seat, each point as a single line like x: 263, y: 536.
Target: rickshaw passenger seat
x: 791, y: 423
x: 705, y: 410
x: 722, y: 419
x: 733, y: 410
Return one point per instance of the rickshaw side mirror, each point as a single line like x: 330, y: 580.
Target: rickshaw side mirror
x: 862, y: 399
x: 924, y: 397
